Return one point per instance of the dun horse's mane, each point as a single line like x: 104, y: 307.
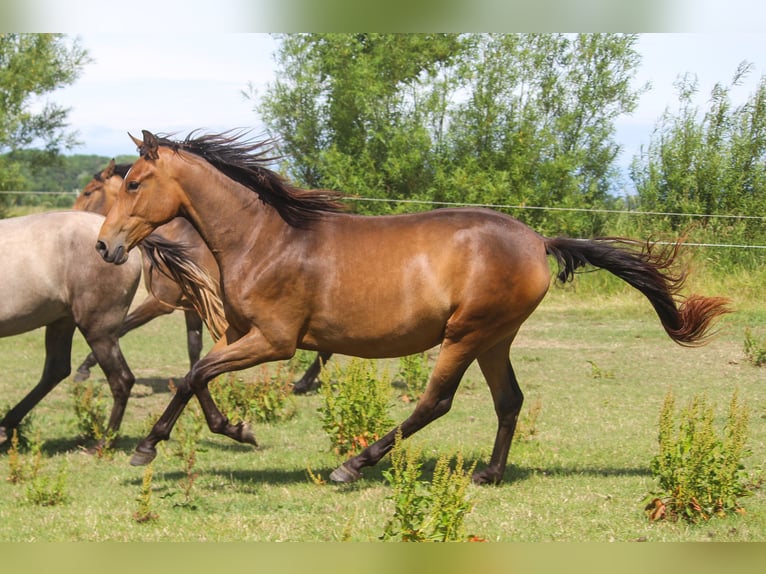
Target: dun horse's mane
x: 120, y: 169
x: 244, y: 160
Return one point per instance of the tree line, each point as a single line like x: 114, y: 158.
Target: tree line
x: 502, y: 119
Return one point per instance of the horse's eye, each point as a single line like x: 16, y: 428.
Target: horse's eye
x: 87, y: 193
x: 133, y: 185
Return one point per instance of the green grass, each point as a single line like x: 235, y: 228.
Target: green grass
x: 581, y: 477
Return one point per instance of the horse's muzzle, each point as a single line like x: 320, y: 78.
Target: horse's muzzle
x: 118, y: 256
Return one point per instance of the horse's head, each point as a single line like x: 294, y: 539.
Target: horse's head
x: 100, y: 193
x: 148, y: 197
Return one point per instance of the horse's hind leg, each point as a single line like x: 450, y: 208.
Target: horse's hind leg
x: 508, y: 398
x: 310, y: 379
x: 451, y: 364
x: 106, y: 349
x: 58, y: 356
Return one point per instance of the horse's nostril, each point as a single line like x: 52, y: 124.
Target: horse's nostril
x: 101, y: 247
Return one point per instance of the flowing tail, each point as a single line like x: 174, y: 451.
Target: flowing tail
x: 204, y: 293
x: 687, y: 320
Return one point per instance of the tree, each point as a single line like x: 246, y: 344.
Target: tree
x: 352, y: 111
x: 479, y: 118
x: 31, y: 66
x: 711, y: 164
x: 537, y: 125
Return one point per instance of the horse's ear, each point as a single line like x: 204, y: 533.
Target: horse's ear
x: 150, y: 145
x: 108, y: 170
x: 136, y: 141
x: 147, y: 148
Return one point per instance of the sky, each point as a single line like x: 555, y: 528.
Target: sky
x: 177, y: 83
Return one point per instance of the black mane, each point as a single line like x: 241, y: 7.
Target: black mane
x: 120, y: 169
x: 243, y: 160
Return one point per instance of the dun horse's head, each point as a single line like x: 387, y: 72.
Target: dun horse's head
x: 147, y: 198
x: 99, y: 194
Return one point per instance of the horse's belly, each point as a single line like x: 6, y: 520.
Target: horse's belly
x: 377, y: 331
x: 22, y: 314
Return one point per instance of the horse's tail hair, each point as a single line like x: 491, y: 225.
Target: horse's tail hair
x: 648, y: 267
x: 202, y: 291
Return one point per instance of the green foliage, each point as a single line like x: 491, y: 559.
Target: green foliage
x: 426, y: 511
x: 31, y: 66
x: 144, y: 511
x: 265, y: 398
x: 15, y: 466
x: 40, y: 488
x: 414, y: 373
x: 43, y: 490
x: 700, y: 474
x: 90, y: 408
x: 708, y: 163
x: 480, y: 118
x: 185, y: 441
x: 355, y: 405
x: 526, y: 427
x: 755, y: 349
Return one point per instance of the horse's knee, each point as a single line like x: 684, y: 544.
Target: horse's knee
x: 441, y: 407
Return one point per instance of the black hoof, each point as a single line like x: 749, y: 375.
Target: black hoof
x: 81, y: 375
x: 246, y: 434
x: 345, y: 474
x: 143, y: 456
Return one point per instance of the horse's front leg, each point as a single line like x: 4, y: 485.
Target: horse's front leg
x: 245, y: 352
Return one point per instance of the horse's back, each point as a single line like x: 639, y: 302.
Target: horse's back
x: 51, y: 270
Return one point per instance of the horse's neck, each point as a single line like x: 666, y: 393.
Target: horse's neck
x: 230, y: 218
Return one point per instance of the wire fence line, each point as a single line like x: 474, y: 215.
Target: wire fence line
x: 550, y: 208
x: 523, y: 207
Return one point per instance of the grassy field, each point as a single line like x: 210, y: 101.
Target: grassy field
x: 599, y: 367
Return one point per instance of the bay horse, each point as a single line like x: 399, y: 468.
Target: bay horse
x: 297, y: 271
x: 164, y: 293
x: 52, y: 279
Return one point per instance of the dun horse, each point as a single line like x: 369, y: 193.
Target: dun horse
x: 164, y: 294
x: 52, y: 279
x: 298, y: 272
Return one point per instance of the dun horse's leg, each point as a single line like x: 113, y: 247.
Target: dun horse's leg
x: 193, y: 336
x: 245, y: 352
x: 508, y: 398
x: 83, y: 371
x: 149, y: 309
x: 310, y: 380
x: 451, y: 364
x: 106, y: 349
x: 58, y: 351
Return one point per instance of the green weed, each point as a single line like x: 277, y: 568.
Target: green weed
x: 355, y: 408
x: 700, y: 474
x: 414, y: 373
x: 265, y: 398
x: 426, y: 511
x: 90, y: 409
x: 755, y: 349
x: 144, y: 512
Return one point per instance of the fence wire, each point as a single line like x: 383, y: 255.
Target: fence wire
x: 629, y: 212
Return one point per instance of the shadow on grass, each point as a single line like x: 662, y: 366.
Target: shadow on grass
x: 372, y: 477
x: 159, y: 384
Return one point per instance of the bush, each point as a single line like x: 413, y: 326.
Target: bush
x: 755, y: 350
x: 426, y: 511
x: 414, y: 373
x: 90, y: 407
x: 265, y: 398
x: 355, y: 409
x: 700, y: 474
